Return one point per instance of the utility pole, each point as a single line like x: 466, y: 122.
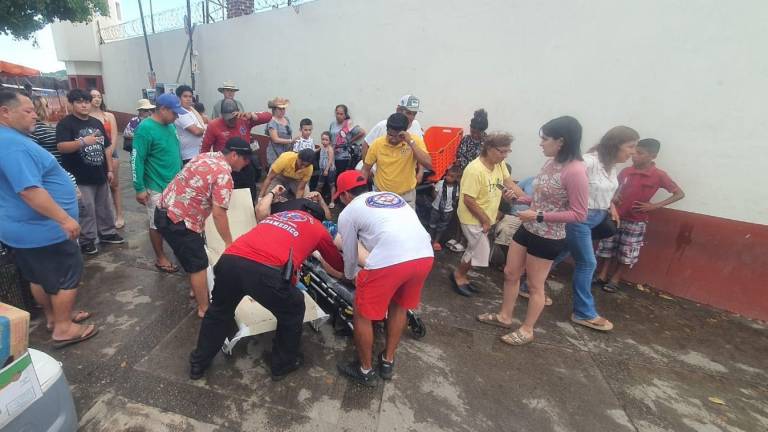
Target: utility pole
x: 146, y: 44
x: 152, y: 16
x: 191, y: 48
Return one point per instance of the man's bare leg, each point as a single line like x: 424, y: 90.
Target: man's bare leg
x: 363, y: 335
x: 199, y: 282
x: 42, y: 298
x: 157, y: 245
x: 396, y: 321
x: 63, y: 327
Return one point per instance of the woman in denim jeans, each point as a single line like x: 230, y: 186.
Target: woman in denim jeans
x: 616, y: 147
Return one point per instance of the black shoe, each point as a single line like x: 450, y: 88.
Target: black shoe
x: 352, y: 371
x: 298, y: 363
x: 460, y: 289
x: 386, y: 369
x: 196, y: 371
x: 112, y: 239
x: 89, y: 249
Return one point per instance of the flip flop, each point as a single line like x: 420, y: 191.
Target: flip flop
x: 493, y: 319
x: 90, y: 331
x: 170, y: 268
x: 78, y: 318
x: 593, y: 324
x: 516, y: 338
x: 75, y: 319
x: 610, y: 287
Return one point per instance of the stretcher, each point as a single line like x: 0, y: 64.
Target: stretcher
x: 324, y: 296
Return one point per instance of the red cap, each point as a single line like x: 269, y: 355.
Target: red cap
x: 348, y: 180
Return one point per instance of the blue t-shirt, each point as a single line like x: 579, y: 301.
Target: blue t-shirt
x: 25, y: 164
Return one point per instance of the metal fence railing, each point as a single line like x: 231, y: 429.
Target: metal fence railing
x: 203, y: 12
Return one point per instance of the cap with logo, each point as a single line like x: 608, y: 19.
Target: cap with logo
x: 228, y: 109
x: 410, y: 102
x: 170, y: 101
x: 348, y: 180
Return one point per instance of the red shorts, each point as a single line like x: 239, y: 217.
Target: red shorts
x: 400, y: 283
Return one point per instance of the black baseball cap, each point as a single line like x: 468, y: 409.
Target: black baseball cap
x: 239, y: 146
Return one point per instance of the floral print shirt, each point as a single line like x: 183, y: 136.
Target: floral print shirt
x: 204, y: 182
x: 561, y: 192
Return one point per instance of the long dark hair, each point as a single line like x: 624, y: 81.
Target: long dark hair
x: 346, y: 110
x: 103, y: 106
x: 568, y: 129
x: 610, y: 144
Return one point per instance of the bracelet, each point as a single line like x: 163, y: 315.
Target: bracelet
x: 273, y: 194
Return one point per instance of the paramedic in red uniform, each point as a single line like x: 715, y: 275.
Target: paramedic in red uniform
x: 399, y: 262
x: 255, y: 265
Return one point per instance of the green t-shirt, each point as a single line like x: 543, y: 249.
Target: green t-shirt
x: 156, y: 155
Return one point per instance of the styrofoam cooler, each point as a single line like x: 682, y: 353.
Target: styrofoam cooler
x: 55, y: 410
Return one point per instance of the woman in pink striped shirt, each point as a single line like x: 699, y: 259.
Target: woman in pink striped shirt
x: 561, y: 192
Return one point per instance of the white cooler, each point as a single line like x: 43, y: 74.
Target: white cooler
x: 55, y: 410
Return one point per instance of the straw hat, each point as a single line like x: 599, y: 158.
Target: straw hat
x: 228, y: 85
x: 144, y: 104
x: 278, y: 102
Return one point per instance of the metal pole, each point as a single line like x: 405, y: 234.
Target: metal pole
x: 146, y: 40
x: 191, y: 48
x: 152, y: 16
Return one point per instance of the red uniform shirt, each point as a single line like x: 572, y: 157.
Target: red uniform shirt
x: 272, y: 239
x: 641, y: 185
x: 217, y: 133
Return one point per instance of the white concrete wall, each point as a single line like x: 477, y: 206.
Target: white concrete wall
x: 689, y: 73
x: 83, y: 67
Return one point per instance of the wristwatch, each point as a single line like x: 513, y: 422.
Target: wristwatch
x: 539, y: 216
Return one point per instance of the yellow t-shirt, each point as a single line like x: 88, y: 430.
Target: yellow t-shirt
x: 480, y: 183
x: 285, y: 165
x: 395, y: 165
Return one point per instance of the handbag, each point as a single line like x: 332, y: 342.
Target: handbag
x: 605, y: 229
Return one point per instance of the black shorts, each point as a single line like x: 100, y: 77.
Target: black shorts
x: 537, y: 246
x: 55, y: 267
x: 187, y: 245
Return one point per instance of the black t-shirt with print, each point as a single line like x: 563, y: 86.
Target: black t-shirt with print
x: 88, y: 164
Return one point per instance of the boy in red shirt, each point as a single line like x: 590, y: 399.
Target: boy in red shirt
x: 637, y: 185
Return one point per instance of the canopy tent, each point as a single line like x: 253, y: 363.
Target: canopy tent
x: 14, y: 70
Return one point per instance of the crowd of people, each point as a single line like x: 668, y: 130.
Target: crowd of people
x: 62, y: 189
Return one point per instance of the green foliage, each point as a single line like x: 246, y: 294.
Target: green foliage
x: 22, y: 18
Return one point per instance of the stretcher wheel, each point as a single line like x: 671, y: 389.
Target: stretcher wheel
x: 418, y: 329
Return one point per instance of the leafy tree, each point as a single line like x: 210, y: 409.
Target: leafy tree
x: 22, y: 18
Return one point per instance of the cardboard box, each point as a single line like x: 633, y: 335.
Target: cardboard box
x: 19, y: 388
x: 14, y: 333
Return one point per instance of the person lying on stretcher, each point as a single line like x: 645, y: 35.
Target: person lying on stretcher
x: 312, y: 202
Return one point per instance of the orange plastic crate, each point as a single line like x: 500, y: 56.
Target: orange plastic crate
x: 442, y: 143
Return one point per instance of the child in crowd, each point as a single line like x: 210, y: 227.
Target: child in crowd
x: 326, y: 165
x: 200, y: 108
x: 637, y: 185
x: 305, y: 140
x: 446, y: 201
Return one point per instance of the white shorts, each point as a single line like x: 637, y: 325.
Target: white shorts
x: 478, y: 247
x: 152, y: 202
x: 506, y: 229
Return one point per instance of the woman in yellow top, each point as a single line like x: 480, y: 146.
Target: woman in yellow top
x: 484, y: 183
